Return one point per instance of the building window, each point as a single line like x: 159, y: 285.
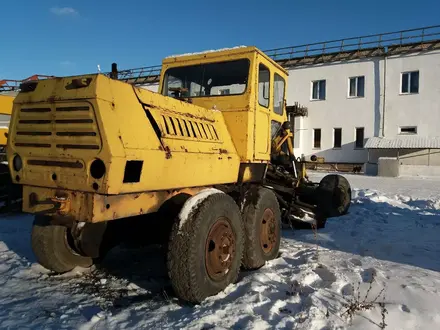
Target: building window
x: 337, y: 138
x: 359, y: 143
x: 408, y: 130
x: 410, y: 82
x: 263, y: 85
x: 356, y: 86
x: 318, y: 90
x: 317, y: 138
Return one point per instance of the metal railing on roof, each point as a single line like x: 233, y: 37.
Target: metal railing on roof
x: 7, y: 85
x: 366, y: 42
x: 139, y: 76
x: 318, y: 52
x: 368, y: 45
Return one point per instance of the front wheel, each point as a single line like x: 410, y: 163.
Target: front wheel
x: 54, y: 248
x: 205, y: 247
x: 334, y: 195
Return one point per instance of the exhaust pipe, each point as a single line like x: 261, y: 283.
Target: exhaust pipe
x: 114, y: 72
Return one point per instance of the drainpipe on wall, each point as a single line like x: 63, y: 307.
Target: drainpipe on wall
x: 384, y: 95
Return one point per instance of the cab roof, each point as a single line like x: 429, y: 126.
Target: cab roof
x: 211, y: 54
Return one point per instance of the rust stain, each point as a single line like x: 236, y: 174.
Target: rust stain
x: 168, y: 152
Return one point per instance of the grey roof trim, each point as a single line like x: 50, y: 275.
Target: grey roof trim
x: 404, y: 142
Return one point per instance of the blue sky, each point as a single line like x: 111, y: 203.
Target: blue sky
x: 73, y: 36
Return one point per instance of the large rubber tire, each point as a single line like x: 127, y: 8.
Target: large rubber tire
x: 166, y: 216
x: 50, y: 245
x: 190, y: 249
x: 262, y: 220
x: 334, y: 193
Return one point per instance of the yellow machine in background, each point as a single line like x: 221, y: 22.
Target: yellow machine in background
x: 210, y: 153
x: 6, y: 103
x: 10, y: 194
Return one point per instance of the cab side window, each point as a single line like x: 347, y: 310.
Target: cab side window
x: 263, y: 85
x: 278, y: 94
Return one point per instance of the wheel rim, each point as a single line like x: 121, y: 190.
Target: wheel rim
x: 268, y: 232
x: 219, y: 249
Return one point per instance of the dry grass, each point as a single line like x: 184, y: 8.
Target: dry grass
x: 357, y: 305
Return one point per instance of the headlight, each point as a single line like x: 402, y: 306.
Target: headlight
x: 17, y: 163
x: 97, y: 169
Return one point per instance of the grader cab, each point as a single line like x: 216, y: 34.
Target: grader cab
x: 210, y: 155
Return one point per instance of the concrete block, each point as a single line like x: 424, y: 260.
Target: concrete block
x: 388, y: 167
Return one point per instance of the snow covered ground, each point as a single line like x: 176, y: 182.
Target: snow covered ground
x: 387, y: 246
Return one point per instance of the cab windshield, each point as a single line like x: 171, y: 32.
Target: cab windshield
x: 211, y: 79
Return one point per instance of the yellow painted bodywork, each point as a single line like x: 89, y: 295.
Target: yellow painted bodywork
x: 6, y: 103
x: 59, y: 129
x: 122, y: 132
x: 248, y: 124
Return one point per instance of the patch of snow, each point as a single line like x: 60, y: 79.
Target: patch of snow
x: 388, y: 241
x: 207, y: 51
x: 192, y: 203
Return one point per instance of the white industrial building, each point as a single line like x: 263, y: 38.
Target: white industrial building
x: 385, y: 104
x: 366, y: 98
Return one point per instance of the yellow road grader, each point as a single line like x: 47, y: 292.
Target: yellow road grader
x: 209, y: 155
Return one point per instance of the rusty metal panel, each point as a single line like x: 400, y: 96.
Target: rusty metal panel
x: 91, y: 207
x: 74, y: 204
x: 126, y: 205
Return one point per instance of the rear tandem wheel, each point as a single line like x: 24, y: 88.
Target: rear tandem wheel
x: 262, y: 221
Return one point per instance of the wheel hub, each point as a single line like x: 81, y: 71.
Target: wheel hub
x: 269, y: 232
x: 219, y: 249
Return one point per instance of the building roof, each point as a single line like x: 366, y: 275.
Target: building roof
x: 404, y: 142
